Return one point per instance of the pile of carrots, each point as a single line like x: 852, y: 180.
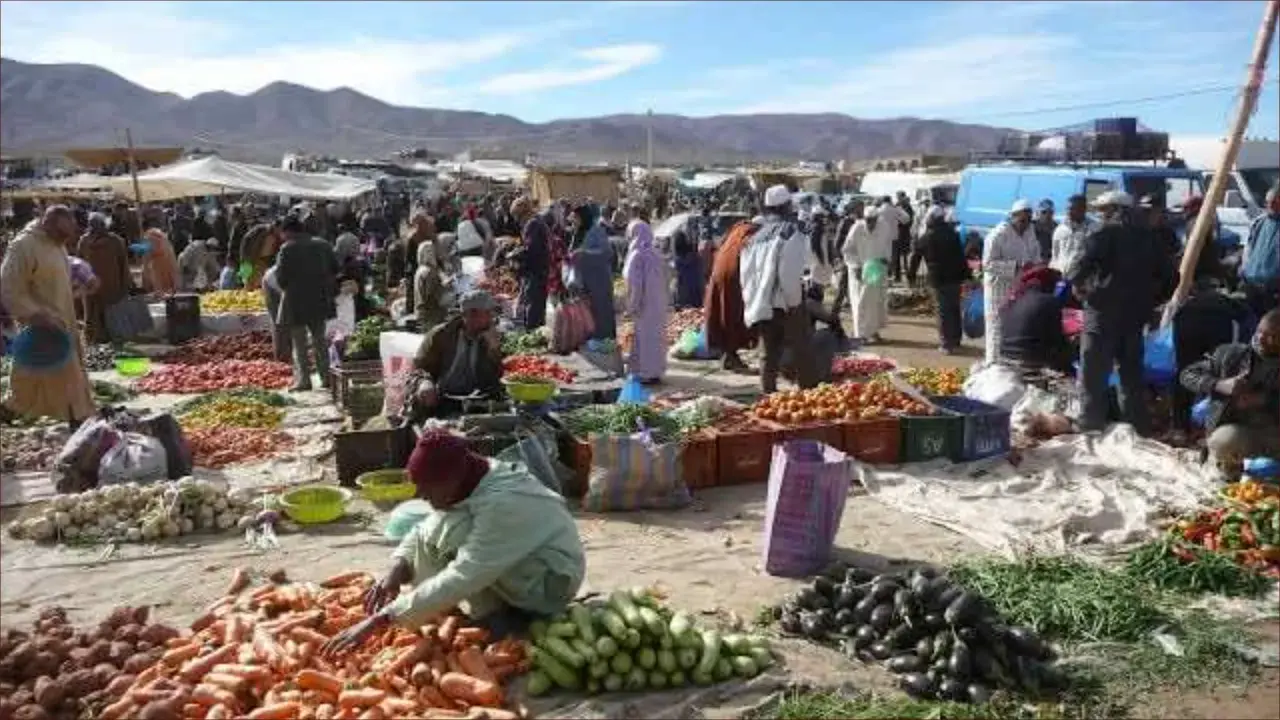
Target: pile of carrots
x: 255, y: 654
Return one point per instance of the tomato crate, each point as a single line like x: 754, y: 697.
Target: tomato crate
x: 926, y: 437
x: 699, y: 459
x: 743, y: 457
x: 878, y: 442
x: 828, y: 433
x: 985, y: 427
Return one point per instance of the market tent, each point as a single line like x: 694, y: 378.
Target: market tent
x: 212, y: 175
x: 551, y: 184
x: 80, y: 181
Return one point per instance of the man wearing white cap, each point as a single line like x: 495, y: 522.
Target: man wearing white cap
x: 772, y: 270
x: 1009, y: 247
x: 870, y: 242
x: 1121, y: 277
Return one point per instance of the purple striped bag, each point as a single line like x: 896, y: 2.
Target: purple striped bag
x: 808, y: 484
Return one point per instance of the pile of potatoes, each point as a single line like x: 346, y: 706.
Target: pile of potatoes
x: 59, y: 673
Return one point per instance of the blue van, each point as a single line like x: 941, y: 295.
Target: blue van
x: 988, y: 191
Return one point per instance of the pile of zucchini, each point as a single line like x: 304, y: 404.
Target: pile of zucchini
x: 632, y: 642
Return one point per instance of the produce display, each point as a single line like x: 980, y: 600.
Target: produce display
x: 133, y: 513
x: 854, y: 367
x: 501, y: 283
x: 220, y: 375
x: 677, y: 322
x: 109, y: 393
x: 633, y: 643
x: 266, y: 397
x: 33, y: 448
x: 524, y: 343
x: 57, y: 671
x: 843, y: 402
x: 737, y: 421
x: 255, y: 654
x: 363, y: 344
x: 535, y: 369
x: 1250, y: 492
x: 99, y: 357
x: 1227, y: 551
x: 223, y: 446
x: 240, y: 302
x: 237, y: 412
x: 621, y: 419
x: 943, y: 641
x: 932, y: 381
x: 253, y: 345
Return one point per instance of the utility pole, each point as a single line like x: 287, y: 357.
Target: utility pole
x: 649, y: 133
x: 133, y: 173
x: 1217, y: 188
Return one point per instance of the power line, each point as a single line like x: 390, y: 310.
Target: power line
x: 1115, y: 103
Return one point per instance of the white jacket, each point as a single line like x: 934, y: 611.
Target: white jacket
x: 771, y: 270
x: 1005, y: 251
x: 1068, y: 243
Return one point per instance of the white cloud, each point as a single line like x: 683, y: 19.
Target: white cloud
x: 602, y: 63
x: 158, y: 46
x: 995, y: 69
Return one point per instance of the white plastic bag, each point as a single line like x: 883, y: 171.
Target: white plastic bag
x: 136, y: 458
x: 397, y: 350
x: 345, y: 322
x: 997, y: 385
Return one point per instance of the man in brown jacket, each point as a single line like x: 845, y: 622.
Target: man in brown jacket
x: 461, y: 356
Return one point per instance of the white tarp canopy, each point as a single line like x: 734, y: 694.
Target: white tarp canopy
x: 212, y: 176
x: 707, y: 180
x: 80, y: 181
x: 499, y: 170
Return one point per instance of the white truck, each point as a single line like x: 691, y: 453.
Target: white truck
x: 1257, y: 169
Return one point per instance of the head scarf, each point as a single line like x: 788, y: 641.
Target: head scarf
x: 1037, y: 278
x: 160, y: 266
x: 346, y: 247
x: 641, y: 247
x: 441, y: 457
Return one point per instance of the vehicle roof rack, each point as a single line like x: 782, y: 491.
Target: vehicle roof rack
x: 1170, y: 159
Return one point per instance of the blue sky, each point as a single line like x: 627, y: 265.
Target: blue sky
x: 998, y: 63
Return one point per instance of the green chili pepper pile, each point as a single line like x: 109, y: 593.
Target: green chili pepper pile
x: 363, y: 343
x: 622, y: 419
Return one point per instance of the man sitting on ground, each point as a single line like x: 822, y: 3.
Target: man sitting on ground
x: 1243, y: 385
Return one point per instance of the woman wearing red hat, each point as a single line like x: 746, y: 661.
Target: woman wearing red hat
x: 498, y: 541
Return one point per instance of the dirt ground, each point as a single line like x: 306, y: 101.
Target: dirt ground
x: 706, y: 557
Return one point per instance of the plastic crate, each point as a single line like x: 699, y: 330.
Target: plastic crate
x: 985, y: 427
x: 699, y: 460
x: 340, y: 378
x: 828, y: 433
x: 927, y: 437
x: 743, y: 457
x: 362, y: 451
x: 878, y: 442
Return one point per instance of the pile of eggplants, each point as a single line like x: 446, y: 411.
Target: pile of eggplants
x: 943, y: 641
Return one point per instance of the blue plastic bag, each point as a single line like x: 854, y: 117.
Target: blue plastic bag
x: 633, y: 392
x: 1263, y: 468
x: 1159, y: 364
x: 1200, y: 412
x: 973, y: 316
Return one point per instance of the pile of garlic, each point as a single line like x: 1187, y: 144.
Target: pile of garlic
x: 142, y: 513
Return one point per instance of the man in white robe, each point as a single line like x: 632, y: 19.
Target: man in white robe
x: 1009, y: 248
x: 871, y: 240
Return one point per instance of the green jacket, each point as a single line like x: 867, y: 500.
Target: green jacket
x: 512, y: 540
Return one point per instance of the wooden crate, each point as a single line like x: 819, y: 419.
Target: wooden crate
x: 363, y: 451
x: 699, y: 460
x: 340, y: 378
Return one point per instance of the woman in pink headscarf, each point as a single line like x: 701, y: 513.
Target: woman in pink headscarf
x: 647, y: 302
x: 160, y: 266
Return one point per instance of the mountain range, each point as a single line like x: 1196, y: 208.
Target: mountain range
x: 45, y: 108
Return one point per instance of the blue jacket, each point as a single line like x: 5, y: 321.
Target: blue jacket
x: 1262, y: 251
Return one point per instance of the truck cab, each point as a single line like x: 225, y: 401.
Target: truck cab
x: 987, y: 191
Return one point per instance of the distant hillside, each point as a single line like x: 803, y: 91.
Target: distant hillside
x: 52, y: 107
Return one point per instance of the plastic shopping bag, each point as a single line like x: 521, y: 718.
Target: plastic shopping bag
x: 571, y: 324
x: 633, y: 392
x: 136, y: 458
x: 873, y: 273
x: 397, y: 350
x: 973, y: 315
x: 808, y: 484
x: 1158, y: 361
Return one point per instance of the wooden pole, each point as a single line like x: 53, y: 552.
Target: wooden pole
x: 1217, y: 188
x: 133, y: 173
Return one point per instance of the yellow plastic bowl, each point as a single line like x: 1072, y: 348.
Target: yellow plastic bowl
x: 386, y: 486
x: 133, y: 367
x: 530, y: 392
x: 315, y: 504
